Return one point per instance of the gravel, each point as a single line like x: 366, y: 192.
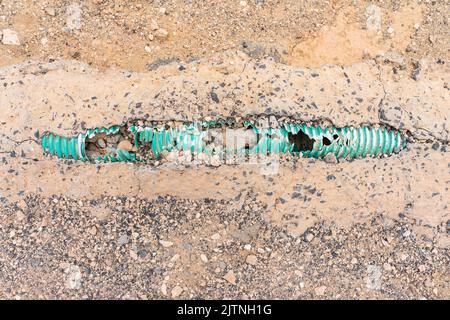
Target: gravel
x: 364, y: 261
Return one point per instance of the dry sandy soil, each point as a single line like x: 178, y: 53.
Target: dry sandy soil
x: 306, y: 228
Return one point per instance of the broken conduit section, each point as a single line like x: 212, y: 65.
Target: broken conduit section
x: 141, y: 141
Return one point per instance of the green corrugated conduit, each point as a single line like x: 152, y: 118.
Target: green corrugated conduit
x: 298, y: 139
x: 75, y: 147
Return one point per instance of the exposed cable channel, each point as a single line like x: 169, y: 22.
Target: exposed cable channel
x: 140, y: 142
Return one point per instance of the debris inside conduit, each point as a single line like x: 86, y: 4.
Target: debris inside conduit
x: 213, y: 142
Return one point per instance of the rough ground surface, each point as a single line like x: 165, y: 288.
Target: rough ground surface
x: 370, y: 228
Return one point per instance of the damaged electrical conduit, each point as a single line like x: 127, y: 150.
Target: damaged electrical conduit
x: 136, y: 142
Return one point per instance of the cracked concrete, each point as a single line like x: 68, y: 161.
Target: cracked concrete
x: 365, y: 93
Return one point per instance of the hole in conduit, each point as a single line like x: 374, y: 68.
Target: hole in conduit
x: 326, y: 141
x: 102, y: 144
x: 301, y: 141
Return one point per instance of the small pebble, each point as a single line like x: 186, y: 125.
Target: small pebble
x: 215, y: 236
x: 123, y: 239
x: 93, y: 230
x: 50, y: 11
x: 320, y: 291
x: 166, y: 244
x: 154, y: 25
x: 164, y: 289
x: 251, y: 259
x: 133, y: 255
x: 10, y: 37
x: 161, y: 33
x: 125, y: 145
x: 19, y: 215
x: 176, y: 291
x: 230, y: 277
x: 101, y: 143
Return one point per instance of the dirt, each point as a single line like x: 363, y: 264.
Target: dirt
x: 123, y: 35
x: 302, y: 228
